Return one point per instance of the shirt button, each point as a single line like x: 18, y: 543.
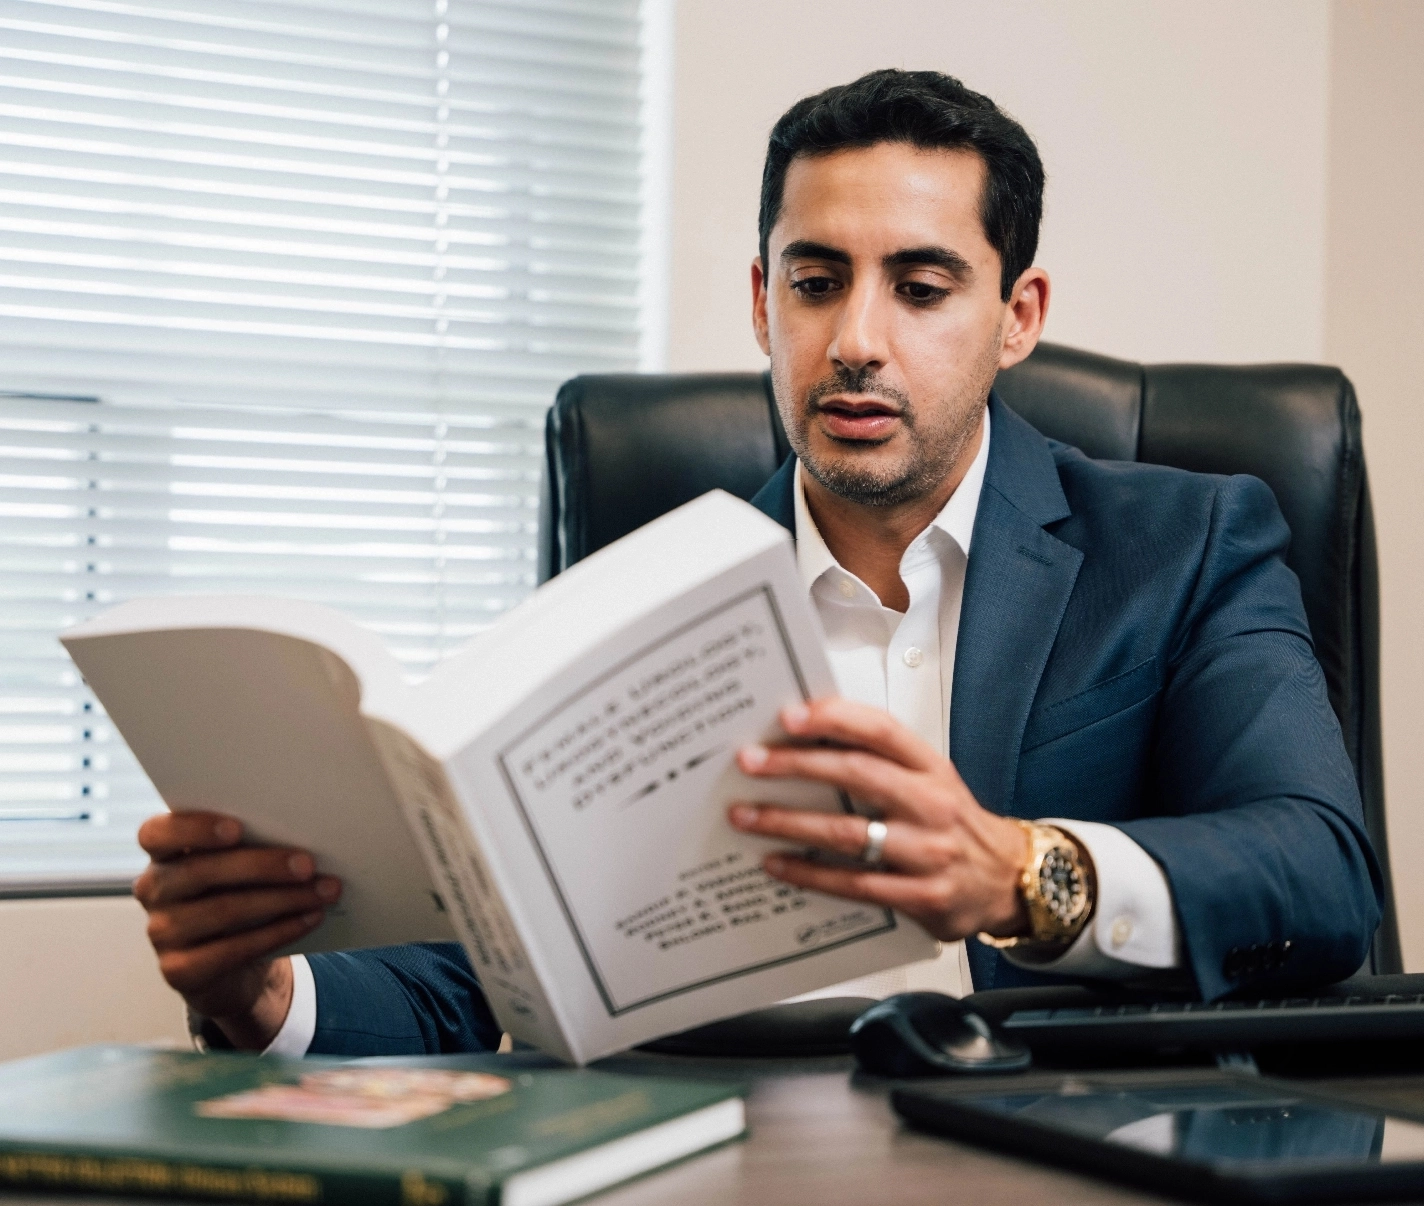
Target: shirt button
x: 846, y: 587
x: 1121, y: 931
x: 913, y: 657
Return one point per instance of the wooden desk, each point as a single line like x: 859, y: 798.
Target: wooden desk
x: 820, y: 1137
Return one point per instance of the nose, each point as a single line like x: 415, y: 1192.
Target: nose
x: 861, y: 334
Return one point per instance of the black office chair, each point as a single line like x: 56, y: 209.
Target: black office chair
x: 623, y: 449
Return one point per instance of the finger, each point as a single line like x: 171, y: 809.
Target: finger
x: 191, y: 969
x: 228, y: 913
x: 907, y: 848
x: 169, y: 834
x: 913, y: 894
x: 196, y: 874
x: 859, y: 725
x: 883, y: 785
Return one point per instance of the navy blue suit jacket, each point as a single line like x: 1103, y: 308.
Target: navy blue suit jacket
x: 1132, y: 650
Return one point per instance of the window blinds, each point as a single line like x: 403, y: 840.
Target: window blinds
x: 285, y: 289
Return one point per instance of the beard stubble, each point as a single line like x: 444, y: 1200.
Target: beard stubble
x: 936, y: 441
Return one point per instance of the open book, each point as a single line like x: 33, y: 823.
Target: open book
x: 554, y: 796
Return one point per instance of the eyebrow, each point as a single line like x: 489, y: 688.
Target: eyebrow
x: 804, y: 249
x: 939, y: 257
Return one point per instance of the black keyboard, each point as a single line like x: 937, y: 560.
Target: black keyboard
x: 1220, y: 1025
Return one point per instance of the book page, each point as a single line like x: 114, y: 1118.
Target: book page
x: 624, y: 785
x: 266, y: 727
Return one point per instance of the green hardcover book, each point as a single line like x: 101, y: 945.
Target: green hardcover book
x: 473, y: 1129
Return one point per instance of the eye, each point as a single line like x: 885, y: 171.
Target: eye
x: 922, y: 293
x: 815, y: 287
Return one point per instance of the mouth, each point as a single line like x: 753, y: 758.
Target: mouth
x: 860, y: 418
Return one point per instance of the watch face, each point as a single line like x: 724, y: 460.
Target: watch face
x: 1060, y: 883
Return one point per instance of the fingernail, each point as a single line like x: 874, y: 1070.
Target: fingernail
x: 227, y: 831
x: 312, y: 918
x: 328, y: 889
x: 797, y: 716
x: 775, y: 864
x: 752, y: 757
x: 300, y: 865
x: 744, y: 816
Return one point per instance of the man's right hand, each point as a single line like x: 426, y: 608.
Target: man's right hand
x: 216, y: 912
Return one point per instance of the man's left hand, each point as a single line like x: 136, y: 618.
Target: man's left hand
x: 947, y: 862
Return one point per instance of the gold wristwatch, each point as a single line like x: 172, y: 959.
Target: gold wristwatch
x: 1058, y: 889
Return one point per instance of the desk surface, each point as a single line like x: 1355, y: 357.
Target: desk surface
x: 822, y: 1137
x: 819, y: 1137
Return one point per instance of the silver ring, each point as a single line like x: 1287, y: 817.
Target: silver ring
x: 875, y: 835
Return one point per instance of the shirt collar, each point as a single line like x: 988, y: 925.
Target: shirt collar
x: 956, y: 518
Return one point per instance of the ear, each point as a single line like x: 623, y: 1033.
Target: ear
x: 759, y: 307
x: 1027, y: 308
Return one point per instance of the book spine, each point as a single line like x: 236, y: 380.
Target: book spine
x: 467, y: 889
x: 38, y: 1169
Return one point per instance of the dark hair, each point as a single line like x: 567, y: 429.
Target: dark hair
x: 933, y: 112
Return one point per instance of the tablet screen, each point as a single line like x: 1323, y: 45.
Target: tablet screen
x: 1220, y: 1124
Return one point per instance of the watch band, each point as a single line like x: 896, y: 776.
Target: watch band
x: 1047, y: 931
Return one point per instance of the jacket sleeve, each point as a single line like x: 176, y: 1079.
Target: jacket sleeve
x: 1258, y: 822
x: 421, y: 999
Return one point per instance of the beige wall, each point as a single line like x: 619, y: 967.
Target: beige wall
x: 1185, y: 147
x: 80, y: 971
x: 1374, y: 331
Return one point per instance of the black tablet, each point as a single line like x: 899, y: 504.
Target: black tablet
x: 1241, y: 1139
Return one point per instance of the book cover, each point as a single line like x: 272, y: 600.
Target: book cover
x: 452, y: 1131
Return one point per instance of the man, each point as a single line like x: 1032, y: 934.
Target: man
x: 1116, y: 646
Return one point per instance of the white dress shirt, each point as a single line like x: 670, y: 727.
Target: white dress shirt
x: 904, y: 663
x: 296, y: 1034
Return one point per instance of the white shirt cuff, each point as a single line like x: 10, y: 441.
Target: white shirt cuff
x: 1134, y: 925
x: 300, y: 1025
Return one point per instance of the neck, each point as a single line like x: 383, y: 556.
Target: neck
x: 869, y: 541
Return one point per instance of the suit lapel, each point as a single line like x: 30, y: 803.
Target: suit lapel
x: 777, y: 500
x: 1016, y: 591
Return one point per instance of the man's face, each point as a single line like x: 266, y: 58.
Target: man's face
x: 880, y: 310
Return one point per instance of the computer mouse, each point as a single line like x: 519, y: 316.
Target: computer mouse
x: 930, y: 1034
